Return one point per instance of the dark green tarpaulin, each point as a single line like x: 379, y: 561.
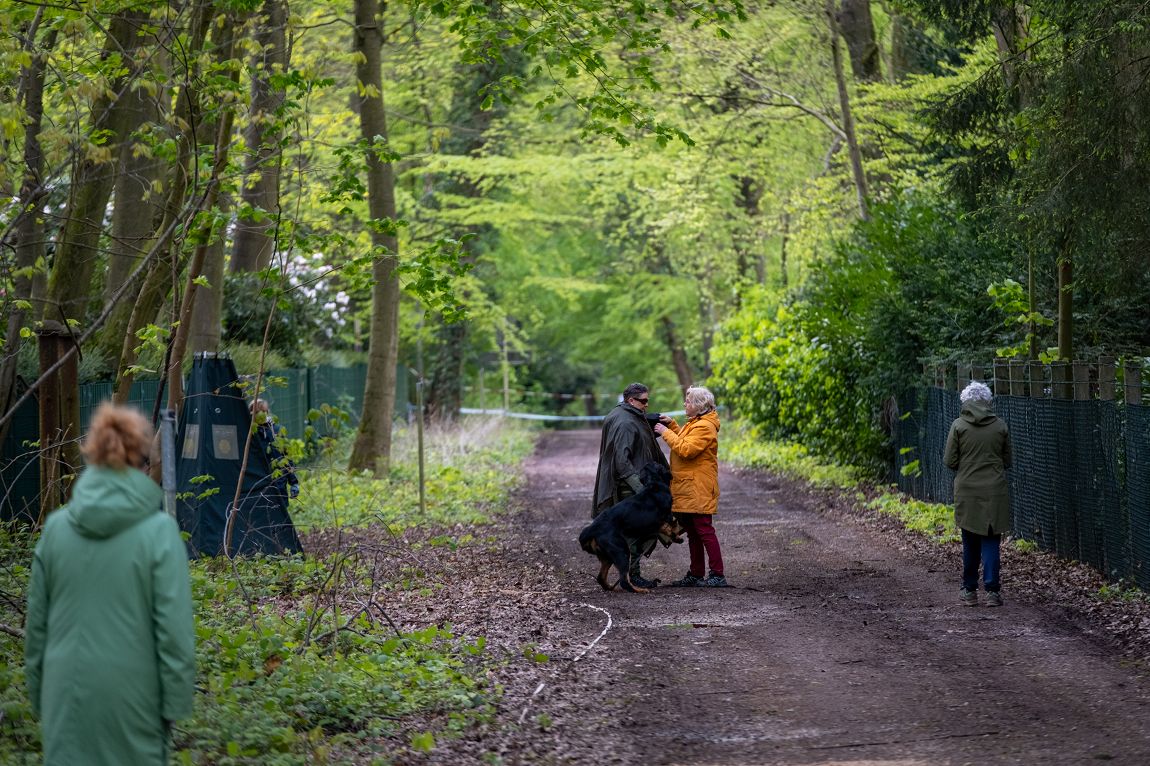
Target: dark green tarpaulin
x: 213, y: 428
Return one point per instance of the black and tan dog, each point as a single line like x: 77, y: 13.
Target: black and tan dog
x: 642, y: 516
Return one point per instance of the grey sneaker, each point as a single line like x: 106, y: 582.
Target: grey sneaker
x: 969, y: 597
x: 993, y: 598
x: 687, y: 581
x: 714, y: 581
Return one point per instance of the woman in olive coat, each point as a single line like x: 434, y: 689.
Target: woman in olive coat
x: 695, y: 483
x: 109, y: 648
x: 978, y: 450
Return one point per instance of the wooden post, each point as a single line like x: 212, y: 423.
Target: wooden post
x: 1106, y: 375
x: 1060, y: 381
x: 976, y: 372
x: 963, y: 374
x: 1081, y: 371
x: 1036, y: 371
x: 1132, y: 382
x: 1001, y: 376
x: 59, y: 398
x: 1017, y: 369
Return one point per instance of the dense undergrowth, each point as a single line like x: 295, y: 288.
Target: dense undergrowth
x: 299, y: 662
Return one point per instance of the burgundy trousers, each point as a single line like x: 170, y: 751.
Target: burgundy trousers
x: 701, y: 538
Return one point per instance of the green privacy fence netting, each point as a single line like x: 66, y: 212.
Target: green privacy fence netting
x: 1080, y: 485
x: 290, y: 394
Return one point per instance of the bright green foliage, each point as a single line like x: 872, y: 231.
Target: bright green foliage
x: 932, y: 520
x: 280, y: 688
x: 19, y: 731
x: 745, y: 446
x: 466, y: 474
x: 909, y: 285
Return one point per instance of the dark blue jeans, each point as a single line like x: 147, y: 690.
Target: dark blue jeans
x: 980, y: 549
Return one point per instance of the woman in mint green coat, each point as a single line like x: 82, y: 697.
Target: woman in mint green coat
x: 109, y: 652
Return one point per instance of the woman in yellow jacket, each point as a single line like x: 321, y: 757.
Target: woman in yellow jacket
x: 695, y: 483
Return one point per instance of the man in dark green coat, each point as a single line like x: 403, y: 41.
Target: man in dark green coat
x: 978, y: 450
x: 628, y: 443
x: 109, y: 649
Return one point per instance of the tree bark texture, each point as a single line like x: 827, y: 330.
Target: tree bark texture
x: 59, y: 410
x: 135, y: 212
x: 1011, y: 32
x: 27, y: 240
x: 679, y: 358
x: 372, y: 448
x: 857, y: 28
x: 254, y: 241
x: 77, y: 251
x: 205, y: 233
x: 853, y: 149
x: 1066, y: 299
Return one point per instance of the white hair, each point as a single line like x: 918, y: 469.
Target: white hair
x: 701, y: 397
x: 975, y: 391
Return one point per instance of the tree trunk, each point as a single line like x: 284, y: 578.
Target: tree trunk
x: 859, y: 176
x: 27, y: 240
x: 748, y: 247
x: 679, y: 358
x: 207, y: 323
x: 163, y: 273
x: 445, y: 390
x: 372, y: 449
x: 857, y: 28
x: 254, y: 240
x: 783, y: 249
x: 135, y: 213
x: 445, y: 395
x: 1011, y: 32
x: 204, y: 237
x: 1066, y: 298
x: 69, y: 285
x: 59, y: 411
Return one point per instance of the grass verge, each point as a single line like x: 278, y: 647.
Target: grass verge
x: 745, y: 447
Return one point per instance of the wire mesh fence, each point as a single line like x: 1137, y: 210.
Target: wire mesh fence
x: 290, y: 394
x: 1080, y: 485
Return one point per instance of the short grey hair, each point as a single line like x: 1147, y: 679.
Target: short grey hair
x: 975, y: 391
x: 701, y: 397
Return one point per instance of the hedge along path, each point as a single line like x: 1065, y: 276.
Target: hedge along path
x: 836, y: 645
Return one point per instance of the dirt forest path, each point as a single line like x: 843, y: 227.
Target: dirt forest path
x: 835, y: 646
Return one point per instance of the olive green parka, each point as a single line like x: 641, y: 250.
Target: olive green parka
x: 110, y: 640
x: 978, y: 450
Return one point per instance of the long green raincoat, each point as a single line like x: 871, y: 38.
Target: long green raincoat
x: 978, y: 450
x: 109, y: 652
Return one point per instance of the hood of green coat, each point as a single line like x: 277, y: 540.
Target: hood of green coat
x: 978, y: 412
x: 106, y: 501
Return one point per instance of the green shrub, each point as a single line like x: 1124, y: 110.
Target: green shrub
x: 818, y: 367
